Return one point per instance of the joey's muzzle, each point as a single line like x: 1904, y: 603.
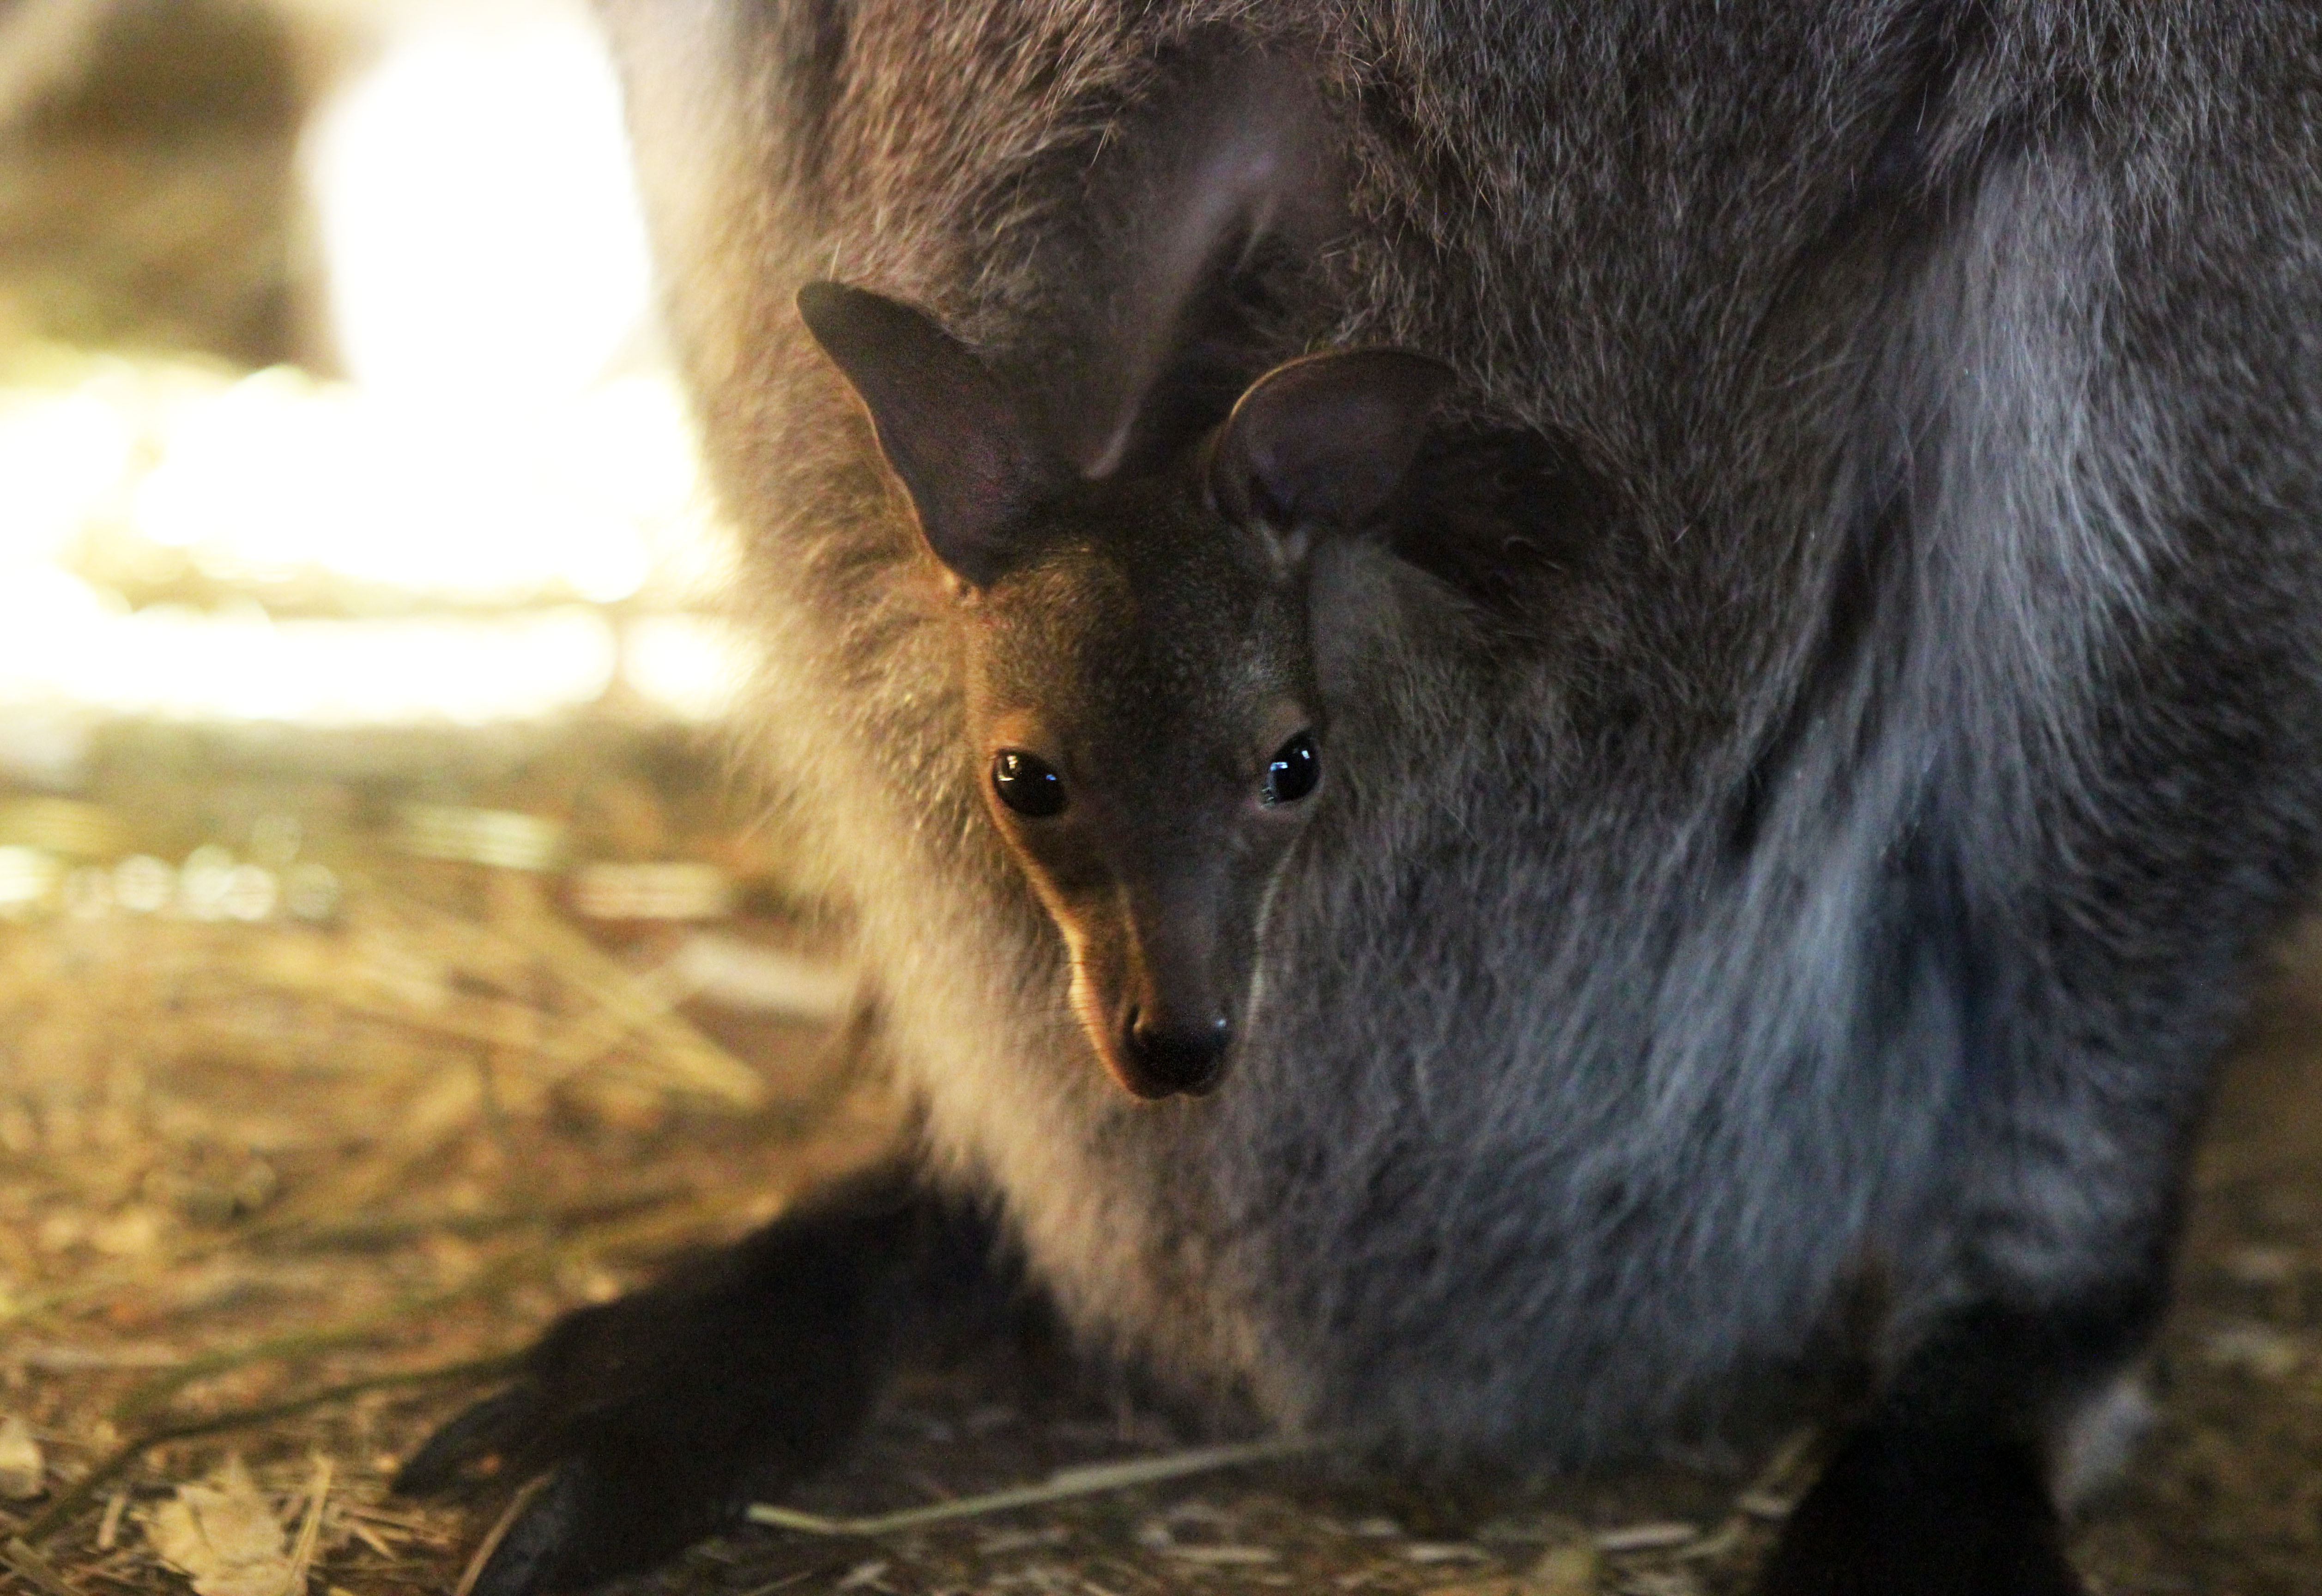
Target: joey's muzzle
x: 1161, y: 1025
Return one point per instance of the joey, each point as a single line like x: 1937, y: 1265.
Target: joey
x: 1138, y: 653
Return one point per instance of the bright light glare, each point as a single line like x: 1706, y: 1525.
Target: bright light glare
x: 60, y: 640
x: 63, y: 458
x: 690, y: 664
x: 475, y: 206
x: 502, y: 444
x: 278, y: 475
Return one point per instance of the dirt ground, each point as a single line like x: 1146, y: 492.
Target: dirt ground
x: 276, y: 1188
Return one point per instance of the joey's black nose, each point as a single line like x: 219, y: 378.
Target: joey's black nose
x: 1163, y: 1058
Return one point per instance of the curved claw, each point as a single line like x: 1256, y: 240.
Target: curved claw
x: 482, y: 1430
x: 526, y: 1551
x: 590, y: 1520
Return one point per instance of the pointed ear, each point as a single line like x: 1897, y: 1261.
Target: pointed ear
x: 1325, y: 440
x: 1232, y: 164
x: 945, y: 421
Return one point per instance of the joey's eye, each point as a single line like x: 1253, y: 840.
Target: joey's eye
x: 1292, y: 772
x: 1027, y: 785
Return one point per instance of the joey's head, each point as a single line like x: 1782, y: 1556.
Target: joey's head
x: 1141, y: 705
x: 1142, y: 712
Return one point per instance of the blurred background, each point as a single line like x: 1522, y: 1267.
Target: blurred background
x: 390, y: 959
x: 331, y: 395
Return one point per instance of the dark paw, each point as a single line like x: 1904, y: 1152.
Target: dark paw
x: 1904, y: 1513
x: 652, y: 1421
x: 611, y: 1484
x: 469, y: 1449
x: 645, y: 1424
x: 585, y: 1523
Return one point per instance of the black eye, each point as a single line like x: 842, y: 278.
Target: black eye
x: 1292, y: 772
x: 1027, y: 785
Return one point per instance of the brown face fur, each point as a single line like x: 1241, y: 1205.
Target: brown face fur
x: 1156, y: 658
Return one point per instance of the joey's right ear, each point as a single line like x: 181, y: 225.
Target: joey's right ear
x: 1326, y: 439
x: 944, y: 421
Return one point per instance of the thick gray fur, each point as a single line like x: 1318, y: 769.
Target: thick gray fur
x: 1846, y: 901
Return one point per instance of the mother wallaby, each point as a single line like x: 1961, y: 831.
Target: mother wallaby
x: 1717, y: 772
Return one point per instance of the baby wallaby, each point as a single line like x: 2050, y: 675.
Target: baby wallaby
x: 1140, y: 677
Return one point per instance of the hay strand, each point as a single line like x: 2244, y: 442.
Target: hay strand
x: 1092, y: 1480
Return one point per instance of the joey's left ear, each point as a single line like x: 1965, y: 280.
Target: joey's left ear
x: 944, y: 420
x: 1325, y: 440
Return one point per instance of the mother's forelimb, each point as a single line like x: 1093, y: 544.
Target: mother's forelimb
x: 653, y: 1420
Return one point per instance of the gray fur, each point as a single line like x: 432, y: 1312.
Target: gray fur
x: 1849, y: 890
